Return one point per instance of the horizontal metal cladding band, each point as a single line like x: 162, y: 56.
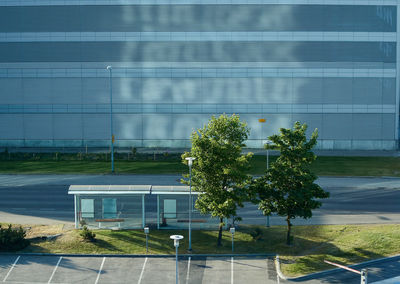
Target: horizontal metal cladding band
x: 192, y: 17
x: 196, y: 36
x: 199, y: 51
x: 186, y: 2
x: 179, y: 108
x: 233, y: 72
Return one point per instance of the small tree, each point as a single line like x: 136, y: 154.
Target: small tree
x: 219, y: 170
x: 288, y: 187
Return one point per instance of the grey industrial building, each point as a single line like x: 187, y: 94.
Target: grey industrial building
x: 329, y: 63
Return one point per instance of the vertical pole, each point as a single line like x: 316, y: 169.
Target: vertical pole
x: 232, y: 243
x: 76, y: 211
x: 143, y: 212
x: 190, y: 208
x: 158, y: 212
x: 267, y: 170
x: 396, y: 128
x: 364, y: 276
x: 147, y: 243
x: 177, y: 275
x: 111, y: 122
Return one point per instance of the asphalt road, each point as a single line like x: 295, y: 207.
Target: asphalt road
x: 43, y: 199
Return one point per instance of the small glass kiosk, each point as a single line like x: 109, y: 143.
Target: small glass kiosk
x: 136, y: 206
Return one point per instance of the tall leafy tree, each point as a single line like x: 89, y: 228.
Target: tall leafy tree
x: 219, y: 169
x: 288, y: 187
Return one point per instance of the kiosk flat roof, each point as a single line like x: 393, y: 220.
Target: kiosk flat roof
x: 129, y: 189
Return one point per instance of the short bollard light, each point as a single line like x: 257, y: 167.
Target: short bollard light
x: 176, y: 239
x: 146, y: 231
x: 232, y: 230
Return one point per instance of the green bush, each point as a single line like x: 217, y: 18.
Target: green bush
x: 256, y: 234
x: 87, y: 234
x: 12, y: 239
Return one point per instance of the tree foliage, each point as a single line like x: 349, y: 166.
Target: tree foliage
x: 288, y: 187
x: 219, y: 169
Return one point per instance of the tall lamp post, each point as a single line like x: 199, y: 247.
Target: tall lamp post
x: 176, y: 239
x: 109, y: 68
x: 268, y: 142
x: 190, y: 163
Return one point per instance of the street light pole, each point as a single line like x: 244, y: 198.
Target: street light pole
x: 109, y: 68
x: 176, y: 239
x: 190, y: 163
x: 268, y: 143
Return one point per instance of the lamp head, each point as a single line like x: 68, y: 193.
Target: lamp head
x: 190, y: 160
x: 109, y: 67
x: 176, y: 239
x: 146, y: 230
x: 232, y: 230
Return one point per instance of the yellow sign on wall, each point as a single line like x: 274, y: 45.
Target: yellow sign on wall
x: 262, y: 120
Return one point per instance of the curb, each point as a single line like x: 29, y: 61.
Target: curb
x: 139, y: 255
x: 330, y: 271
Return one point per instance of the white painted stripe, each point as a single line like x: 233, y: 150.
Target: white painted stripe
x: 232, y: 270
x: 12, y: 267
x: 229, y: 72
x: 101, y: 268
x: 188, y: 270
x: 55, y: 268
x: 196, y: 36
x: 188, y: 2
x: 141, y: 273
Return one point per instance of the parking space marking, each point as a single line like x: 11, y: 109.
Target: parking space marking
x: 77, y: 270
x: 188, y: 270
x: 258, y: 269
x: 232, y: 270
x: 101, y: 268
x: 55, y: 268
x: 141, y: 273
x: 12, y: 267
x: 217, y: 270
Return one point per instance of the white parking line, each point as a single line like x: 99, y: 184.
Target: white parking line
x: 54, y: 271
x: 141, y: 273
x: 12, y: 267
x: 101, y: 268
x: 188, y: 270
x: 232, y: 270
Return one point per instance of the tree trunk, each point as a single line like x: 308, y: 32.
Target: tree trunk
x: 289, y: 226
x: 221, y: 224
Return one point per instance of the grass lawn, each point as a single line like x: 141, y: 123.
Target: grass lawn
x: 345, y: 244
x: 323, y: 166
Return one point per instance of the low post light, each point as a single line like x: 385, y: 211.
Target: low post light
x: 146, y: 231
x: 232, y: 230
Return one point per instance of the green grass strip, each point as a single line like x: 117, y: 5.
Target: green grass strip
x: 346, y: 244
x: 323, y: 166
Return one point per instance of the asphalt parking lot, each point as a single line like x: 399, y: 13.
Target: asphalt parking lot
x: 83, y: 269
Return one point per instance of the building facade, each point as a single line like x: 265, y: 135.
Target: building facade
x: 329, y: 63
